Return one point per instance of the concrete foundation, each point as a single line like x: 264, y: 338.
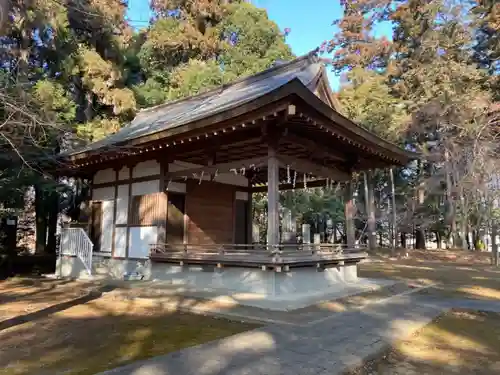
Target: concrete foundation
x: 302, y: 286
x: 103, y: 267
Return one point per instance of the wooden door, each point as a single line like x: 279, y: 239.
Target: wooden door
x: 175, y: 218
x: 96, y: 229
x: 241, y: 222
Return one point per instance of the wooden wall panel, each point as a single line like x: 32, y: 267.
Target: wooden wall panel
x: 175, y: 218
x: 150, y: 209
x: 210, y: 211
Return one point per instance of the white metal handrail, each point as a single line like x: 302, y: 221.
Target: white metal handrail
x: 76, y: 242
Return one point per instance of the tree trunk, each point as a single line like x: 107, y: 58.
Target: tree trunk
x: 52, y: 222
x: 403, y: 240
x: 41, y: 221
x: 370, y: 210
x: 8, y: 243
x: 438, y: 239
x: 475, y: 240
x: 89, y: 106
x: 467, y: 240
x: 494, y: 244
x: 419, y: 239
x: 450, y: 204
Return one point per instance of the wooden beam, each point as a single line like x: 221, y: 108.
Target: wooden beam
x: 220, y: 168
x: 309, y: 167
x: 299, y: 184
x: 313, y: 147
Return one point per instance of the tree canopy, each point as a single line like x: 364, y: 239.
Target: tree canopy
x: 76, y: 71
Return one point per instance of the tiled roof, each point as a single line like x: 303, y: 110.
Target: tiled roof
x: 181, y: 112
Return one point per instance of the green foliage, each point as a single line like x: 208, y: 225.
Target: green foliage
x: 55, y: 101
x: 151, y: 93
x: 430, y: 88
x: 193, y: 52
x: 259, y: 42
x: 196, y: 76
x: 367, y: 99
x: 98, y: 128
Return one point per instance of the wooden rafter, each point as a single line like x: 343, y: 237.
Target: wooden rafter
x: 309, y: 167
x: 313, y: 146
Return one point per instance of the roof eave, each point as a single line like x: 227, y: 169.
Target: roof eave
x: 293, y: 87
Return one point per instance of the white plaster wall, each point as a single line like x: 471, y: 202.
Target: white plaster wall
x: 122, y: 205
x: 124, y: 173
x: 139, y: 240
x: 101, y: 194
x: 107, y: 226
x: 120, y: 242
x: 104, y: 175
x: 146, y: 168
x: 146, y: 187
x: 229, y: 178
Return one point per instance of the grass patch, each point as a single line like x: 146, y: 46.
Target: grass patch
x: 103, y: 334
x: 458, y: 342
x: 454, y: 280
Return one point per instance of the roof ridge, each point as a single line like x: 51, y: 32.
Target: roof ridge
x: 311, y: 57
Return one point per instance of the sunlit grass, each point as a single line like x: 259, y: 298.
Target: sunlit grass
x: 453, y: 280
x: 458, y: 342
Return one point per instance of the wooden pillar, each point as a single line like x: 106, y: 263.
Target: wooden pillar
x: 129, y: 210
x: 349, y: 214
x: 250, y: 214
x: 370, y: 210
x: 115, y: 207
x: 162, y: 224
x: 394, y: 211
x: 272, y: 198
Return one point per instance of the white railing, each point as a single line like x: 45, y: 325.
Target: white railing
x: 76, y: 242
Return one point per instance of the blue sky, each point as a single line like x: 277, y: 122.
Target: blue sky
x: 310, y: 24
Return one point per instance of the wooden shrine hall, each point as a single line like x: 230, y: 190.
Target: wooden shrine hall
x: 172, y: 191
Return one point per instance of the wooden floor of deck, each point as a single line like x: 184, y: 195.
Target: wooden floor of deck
x: 280, y: 258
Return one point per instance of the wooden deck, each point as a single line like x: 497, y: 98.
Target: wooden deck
x: 280, y: 258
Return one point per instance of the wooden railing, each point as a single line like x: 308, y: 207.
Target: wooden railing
x: 255, y: 248
x: 256, y: 254
x: 76, y: 242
